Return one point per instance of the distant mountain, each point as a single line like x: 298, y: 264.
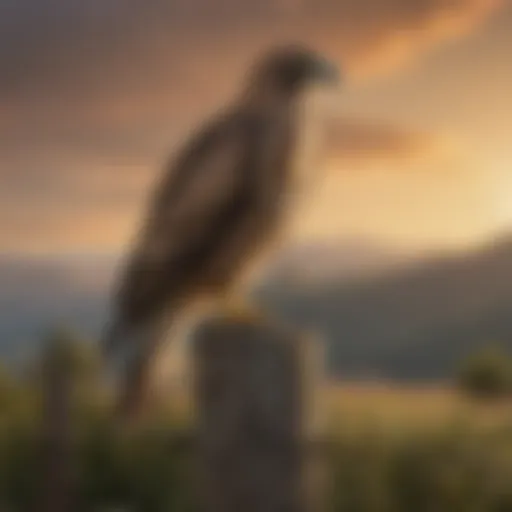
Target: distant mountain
x: 37, y: 293
x: 416, y: 322
x: 351, y: 259
x: 382, y: 314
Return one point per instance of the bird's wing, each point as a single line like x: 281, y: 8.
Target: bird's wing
x: 196, y: 198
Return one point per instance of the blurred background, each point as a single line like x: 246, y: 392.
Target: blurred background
x: 402, y: 262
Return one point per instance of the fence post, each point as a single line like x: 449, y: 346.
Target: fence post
x: 57, y: 465
x: 258, y: 408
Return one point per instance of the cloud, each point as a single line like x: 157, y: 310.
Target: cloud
x: 77, y: 67
x: 122, y: 77
x: 365, y: 141
x: 97, y: 208
x: 94, y: 94
x: 67, y: 45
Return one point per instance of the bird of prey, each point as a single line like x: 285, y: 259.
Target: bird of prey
x: 219, y: 207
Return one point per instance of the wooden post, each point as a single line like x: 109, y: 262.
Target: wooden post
x: 257, y: 416
x: 58, y: 470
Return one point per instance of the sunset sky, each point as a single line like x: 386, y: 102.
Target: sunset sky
x: 95, y: 95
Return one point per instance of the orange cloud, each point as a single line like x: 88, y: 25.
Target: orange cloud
x: 408, y: 32
x: 364, y: 140
x: 92, y: 93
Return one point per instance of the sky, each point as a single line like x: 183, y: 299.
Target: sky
x: 95, y: 96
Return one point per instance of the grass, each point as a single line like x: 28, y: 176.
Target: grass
x: 423, y: 449
x: 392, y: 449
x: 421, y: 407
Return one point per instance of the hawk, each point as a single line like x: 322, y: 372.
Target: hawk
x: 219, y: 207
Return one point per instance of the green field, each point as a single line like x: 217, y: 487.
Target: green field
x: 390, y: 448
x: 428, y: 407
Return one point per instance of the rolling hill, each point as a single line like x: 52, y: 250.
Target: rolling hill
x: 381, y: 316
x: 416, y: 322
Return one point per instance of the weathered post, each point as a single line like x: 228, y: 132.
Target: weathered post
x: 258, y: 416
x: 58, y: 470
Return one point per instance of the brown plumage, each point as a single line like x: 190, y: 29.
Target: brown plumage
x: 219, y: 205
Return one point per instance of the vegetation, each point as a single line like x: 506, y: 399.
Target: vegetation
x: 487, y: 374
x: 453, y: 469
x: 393, y: 450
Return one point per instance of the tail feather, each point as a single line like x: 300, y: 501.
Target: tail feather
x: 129, y: 351
x: 135, y: 392
x: 113, y: 337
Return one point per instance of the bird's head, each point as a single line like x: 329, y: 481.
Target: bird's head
x: 287, y: 71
